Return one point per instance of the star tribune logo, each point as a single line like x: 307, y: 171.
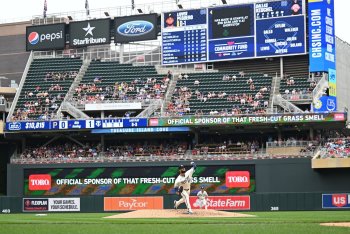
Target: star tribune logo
x: 88, y: 30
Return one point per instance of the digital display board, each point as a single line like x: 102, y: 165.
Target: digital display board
x: 133, y: 181
x: 231, y: 21
x: 184, y: 37
x: 233, y: 32
x: 280, y: 36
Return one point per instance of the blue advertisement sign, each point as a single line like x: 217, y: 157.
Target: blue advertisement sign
x: 28, y: 126
x: 140, y: 130
x: 321, y: 35
x: 280, y: 36
x: 336, y: 201
x: 233, y: 48
x: 282, y: 8
x: 325, y: 104
x: 76, y: 124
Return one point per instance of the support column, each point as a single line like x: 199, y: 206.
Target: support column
x: 103, y: 143
x: 102, y: 114
x: 24, y: 144
x: 311, y: 134
x: 279, y: 135
x: 121, y: 53
x: 196, y: 138
x: 281, y: 68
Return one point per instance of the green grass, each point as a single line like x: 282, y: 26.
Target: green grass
x: 263, y: 222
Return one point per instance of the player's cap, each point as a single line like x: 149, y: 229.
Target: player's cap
x: 202, y: 187
x: 181, y: 167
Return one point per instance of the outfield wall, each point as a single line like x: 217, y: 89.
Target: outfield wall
x: 279, y: 184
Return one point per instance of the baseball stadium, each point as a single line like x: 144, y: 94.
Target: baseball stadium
x: 201, y: 116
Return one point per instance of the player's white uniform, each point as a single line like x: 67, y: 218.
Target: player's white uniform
x: 202, y: 199
x: 185, y: 182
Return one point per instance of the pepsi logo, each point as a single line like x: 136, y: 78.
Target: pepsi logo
x: 135, y: 28
x: 33, y: 38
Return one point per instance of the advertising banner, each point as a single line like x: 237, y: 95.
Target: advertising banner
x: 140, y: 130
x: 51, y: 204
x: 262, y: 119
x: 321, y: 35
x: 64, y: 204
x: 325, y: 104
x: 91, y: 32
x: 45, y: 37
x: 135, y: 28
x: 223, y: 202
x: 35, y: 204
x: 336, y: 201
x: 159, y: 180
x: 114, y: 106
x: 132, y: 203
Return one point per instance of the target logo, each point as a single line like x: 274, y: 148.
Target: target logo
x: 33, y: 38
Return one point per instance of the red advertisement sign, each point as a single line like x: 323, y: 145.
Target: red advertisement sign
x: 339, y: 200
x: 237, y: 179
x: 223, y: 202
x: 39, y: 182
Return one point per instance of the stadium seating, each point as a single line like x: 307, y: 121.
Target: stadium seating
x: 336, y: 148
x: 45, y: 87
x: 192, y: 98
x: 296, y: 88
x: 113, y: 81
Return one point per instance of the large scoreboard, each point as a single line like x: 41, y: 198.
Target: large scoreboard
x: 234, y: 32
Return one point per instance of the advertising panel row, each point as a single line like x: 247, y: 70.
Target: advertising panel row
x: 233, y: 32
x: 148, y: 125
x: 51, y: 204
x: 92, y: 32
x: 159, y: 180
x: 336, y: 201
x: 146, y: 203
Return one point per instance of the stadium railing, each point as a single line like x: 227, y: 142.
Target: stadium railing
x: 103, y: 158
x: 290, y: 143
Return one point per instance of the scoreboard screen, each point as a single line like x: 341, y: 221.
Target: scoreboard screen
x: 184, y: 37
x: 233, y: 32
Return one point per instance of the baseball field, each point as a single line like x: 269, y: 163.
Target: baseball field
x: 260, y: 222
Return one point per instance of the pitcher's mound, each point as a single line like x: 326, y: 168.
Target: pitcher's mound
x: 176, y: 214
x: 336, y: 224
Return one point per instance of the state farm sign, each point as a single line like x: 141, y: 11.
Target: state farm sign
x: 237, y: 179
x: 224, y: 202
x: 39, y: 182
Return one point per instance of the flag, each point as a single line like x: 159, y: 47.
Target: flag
x: 45, y: 8
x: 132, y: 4
x: 87, y: 8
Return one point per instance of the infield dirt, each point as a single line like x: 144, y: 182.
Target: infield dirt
x: 177, y: 214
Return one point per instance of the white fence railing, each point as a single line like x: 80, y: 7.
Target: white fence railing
x: 153, y: 158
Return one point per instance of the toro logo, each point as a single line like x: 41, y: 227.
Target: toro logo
x: 33, y: 38
x: 339, y: 200
x: 135, y: 28
x: 237, y: 179
x: 40, y: 182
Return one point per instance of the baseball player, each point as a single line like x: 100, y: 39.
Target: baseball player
x: 203, y: 198
x: 183, y: 186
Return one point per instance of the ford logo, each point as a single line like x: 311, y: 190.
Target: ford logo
x: 15, y: 126
x: 135, y: 28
